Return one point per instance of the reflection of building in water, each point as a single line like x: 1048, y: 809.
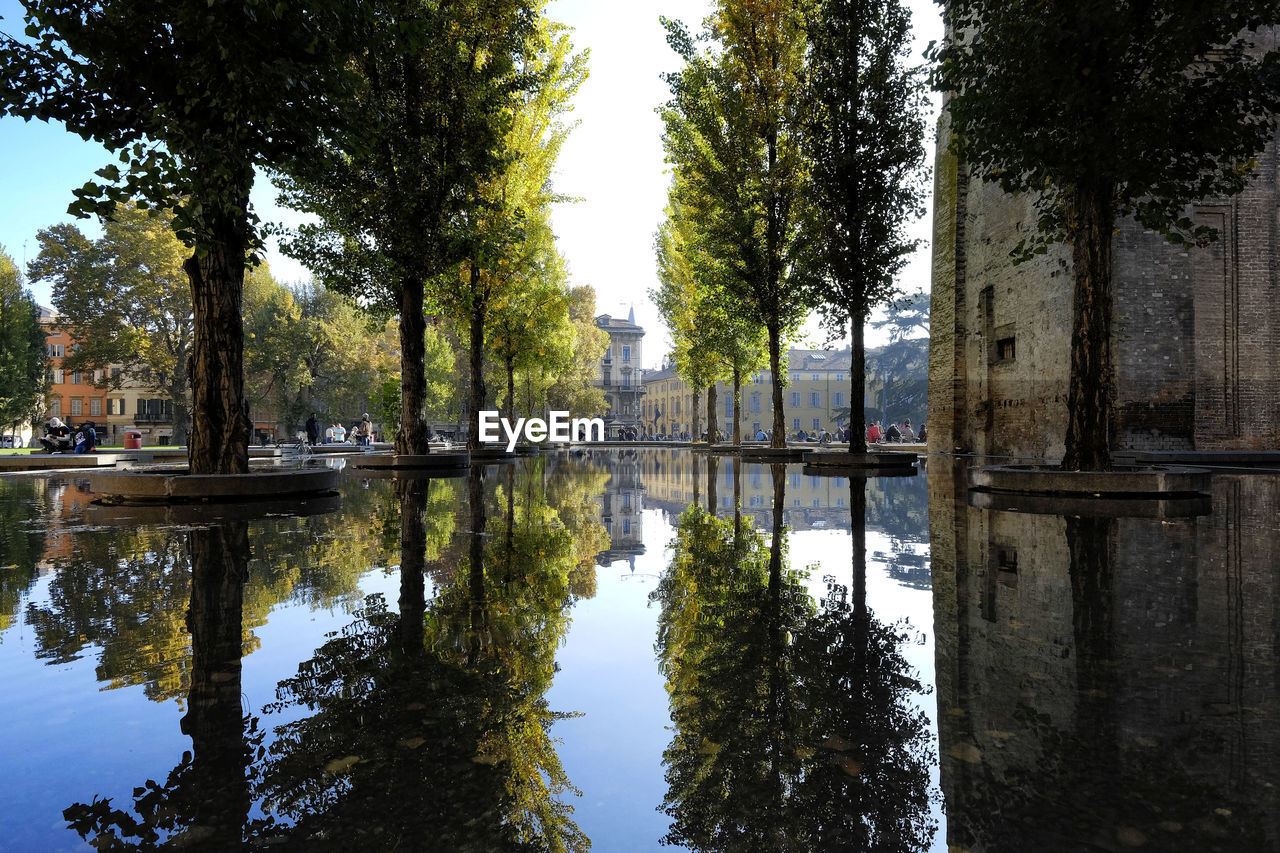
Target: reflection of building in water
x: 620, y: 510
x: 1108, y: 683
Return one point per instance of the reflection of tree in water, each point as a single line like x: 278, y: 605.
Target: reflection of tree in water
x: 428, y: 726
x: 21, y: 544
x: 205, y: 801
x: 440, y: 737
x: 1105, y: 782
x: 123, y: 590
x: 794, y: 728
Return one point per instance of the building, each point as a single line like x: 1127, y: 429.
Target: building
x: 620, y: 375
x: 73, y: 396
x: 817, y: 390
x: 1196, y: 334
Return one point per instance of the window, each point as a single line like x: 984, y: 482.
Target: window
x: 795, y: 423
x: 817, y: 377
x: 55, y: 407
x: 115, y: 374
x: 76, y: 378
x: 837, y: 398
x: 626, y: 353
x: 815, y: 482
x: 56, y: 350
x: 817, y: 423
x: 795, y: 377
x: 626, y: 380
x: 817, y: 502
x: 626, y: 527
x: 815, y: 399
x: 795, y: 399
x: 795, y: 481
x: 95, y: 407
x: 839, y: 482
x: 1006, y: 349
x: 59, y: 376
x: 142, y: 406
x: 795, y: 502
x: 755, y: 403
x: 839, y: 377
x: 728, y: 407
x: 839, y: 501
x: 758, y: 379
x: 77, y: 407
x: 755, y: 428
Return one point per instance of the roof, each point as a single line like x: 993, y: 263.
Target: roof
x: 617, y: 324
x: 659, y: 375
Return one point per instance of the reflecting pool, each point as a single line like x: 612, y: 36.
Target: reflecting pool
x: 638, y: 649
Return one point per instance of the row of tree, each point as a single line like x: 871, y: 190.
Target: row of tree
x: 125, y: 299
x: 422, y: 136
x: 795, y: 133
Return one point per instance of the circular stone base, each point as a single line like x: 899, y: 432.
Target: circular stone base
x: 179, y: 486
x: 774, y: 454
x: 153, y: 513
x: 1120, y: 483
x: 423, y: 461
x: 845, y: 460
x: 855, y: 472
x: 411, y: 473
x: 1093, y: 506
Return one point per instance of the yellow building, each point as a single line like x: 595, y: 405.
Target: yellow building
x: 817, y: 386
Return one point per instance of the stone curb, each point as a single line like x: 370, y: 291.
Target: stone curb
x: 1093, y: 506
x: 844, y: 459
x: 423, y: 461
x: 182, y: 487
x: 1133, y: 482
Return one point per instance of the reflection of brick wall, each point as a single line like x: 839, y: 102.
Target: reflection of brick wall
x: 1170, y: 700
x: 1196, y: 337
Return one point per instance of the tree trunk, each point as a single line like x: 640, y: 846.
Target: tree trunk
x: 857, y: 387
x: 478, y: 622
x: 697, y: 413
x: 411, y: 438
x: 737, y: 407
x: 711, y: 415
x: 413, y: 559
x: 511, y: 389
x: 214, y: 720
x: 220, y: 416
x: 478, y: 312
x: 1092, y: 385
x: 713, y: 495
x: 775, y: 366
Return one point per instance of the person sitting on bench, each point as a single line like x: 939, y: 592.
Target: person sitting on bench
x: 57, y: 437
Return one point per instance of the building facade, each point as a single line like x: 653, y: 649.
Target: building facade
x: 817, y: 391
x: 73, y: 395
x: 1196, y: 334
x: 620, y: 375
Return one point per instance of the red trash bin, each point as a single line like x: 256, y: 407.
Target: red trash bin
x: 132, y: 440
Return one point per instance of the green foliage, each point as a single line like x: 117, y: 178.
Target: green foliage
x: 865, y: 139
x: 126, y: 301
x: 22, y: 349
x: 733, y: 129
x: 572, y: 388
x: 906, y: 316
x: 1156, y: 106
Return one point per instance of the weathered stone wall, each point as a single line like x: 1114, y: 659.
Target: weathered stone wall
x: 1197, y: 333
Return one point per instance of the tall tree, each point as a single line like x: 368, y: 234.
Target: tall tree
x: 126, y: 301
x: 1102, y: 111
x: 866, y: 142
x: 23, y: 356
x: 399, y: 185
x: 193, y: 95
x: 732, y: 131
x: 509, y: 235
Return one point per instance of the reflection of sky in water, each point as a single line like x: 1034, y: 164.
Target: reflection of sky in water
x: 70, y: 738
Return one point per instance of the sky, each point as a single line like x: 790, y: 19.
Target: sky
x: 612, y: 163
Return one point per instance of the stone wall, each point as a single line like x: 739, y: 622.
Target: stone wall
x: 1196, y: 337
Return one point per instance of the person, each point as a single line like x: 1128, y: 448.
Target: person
x: 894, y: 434
x: 873, y: 434
x: 313, y: 429
x: 366, y: 430
x: 923, y: 435
x: 86, y: 438
x: 57, y: 437
x: 802, y: 435
x: 339, y: 433
x: 328, y: 434
x: 760, y: 436
x: 908, y: 434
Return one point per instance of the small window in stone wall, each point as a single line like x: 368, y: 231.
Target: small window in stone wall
x: 1006, y: 344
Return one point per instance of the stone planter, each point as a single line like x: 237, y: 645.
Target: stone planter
x: 1120, y: 483
x: 179, y: 486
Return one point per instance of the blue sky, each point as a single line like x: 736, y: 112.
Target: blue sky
x: 613, y: 162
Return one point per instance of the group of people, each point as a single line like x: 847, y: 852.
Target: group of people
x: 897, y: 434
x: 360, y: 434
x: 63, y: 438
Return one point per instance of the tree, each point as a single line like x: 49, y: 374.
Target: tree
x: 126, y: 301
x: 732, y: 132
x: 397, y: 188
x: 1103, y: 111
x: 572, y: 389
x: 866, y: 143
x: 192, y: 95
x: 23, y: 356
x: 904, y: 316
